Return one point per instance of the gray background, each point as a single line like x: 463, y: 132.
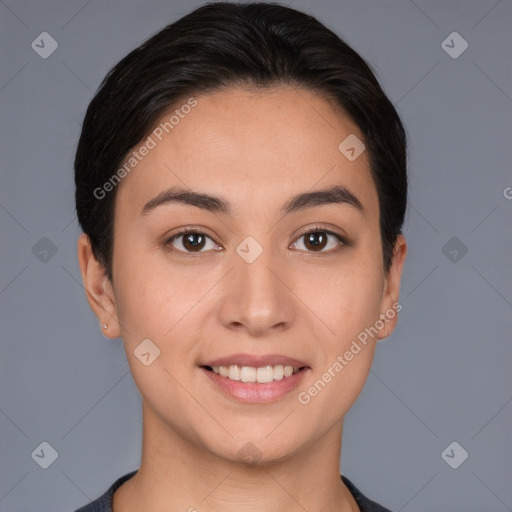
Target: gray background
x: 443, y: 376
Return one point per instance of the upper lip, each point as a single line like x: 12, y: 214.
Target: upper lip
x: 256, y: 361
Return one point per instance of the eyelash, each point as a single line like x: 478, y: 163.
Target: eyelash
x: 316, y: 229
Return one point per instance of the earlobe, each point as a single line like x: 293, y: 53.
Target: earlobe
x: 390, y: 305
x: 382, y: 326
x: 98, y: 289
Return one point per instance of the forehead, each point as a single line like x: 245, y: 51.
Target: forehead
x: 253, y: 146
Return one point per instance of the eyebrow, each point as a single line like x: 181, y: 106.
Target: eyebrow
x: 334, y: 195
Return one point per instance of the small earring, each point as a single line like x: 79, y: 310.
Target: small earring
x: 105, y: 325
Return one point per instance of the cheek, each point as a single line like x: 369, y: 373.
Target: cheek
x: 153, y: 295
x: 350, y: 295
x: 350, y: 304
x: 155, y: 305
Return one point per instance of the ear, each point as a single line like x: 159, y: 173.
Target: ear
x: 98, y: 288
x: 389, y: 303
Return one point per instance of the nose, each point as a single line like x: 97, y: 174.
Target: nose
x: 257, y: 296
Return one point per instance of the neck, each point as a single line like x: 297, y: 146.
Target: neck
x: 176, y: 474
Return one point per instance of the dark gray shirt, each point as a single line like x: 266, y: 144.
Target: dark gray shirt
x: 104, y: 502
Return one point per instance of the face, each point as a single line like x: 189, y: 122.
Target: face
x: 263, y: 279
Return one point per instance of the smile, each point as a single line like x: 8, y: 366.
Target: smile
x: 252, y: 384
x: 262, y: 374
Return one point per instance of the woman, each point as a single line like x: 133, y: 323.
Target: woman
x: 241, y: 184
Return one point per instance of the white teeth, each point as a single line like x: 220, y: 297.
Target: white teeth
x: 247, y: 374
x: 233, y: 372
x: 265, y: 374
x: 251, y: 374
x: 278, y: 372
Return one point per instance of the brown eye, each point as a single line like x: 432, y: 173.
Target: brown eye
x: 191, y: 241
x: 316, y: 241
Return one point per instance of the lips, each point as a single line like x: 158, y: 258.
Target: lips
x: 255, y: 361
x: 245, y: 384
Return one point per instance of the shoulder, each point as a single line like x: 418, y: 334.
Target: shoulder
x: 364, y: 503
x: 104, y: 502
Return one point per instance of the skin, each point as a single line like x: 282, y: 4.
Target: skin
x: 256, y: 149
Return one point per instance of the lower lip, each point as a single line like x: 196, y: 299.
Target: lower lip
x: 255, y: 392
